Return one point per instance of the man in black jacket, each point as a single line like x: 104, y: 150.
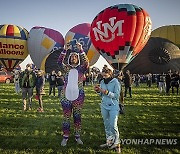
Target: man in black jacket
x: 168, y: 81
x: 175, y: 81
x: 52, y: 82
x: 59, y: 83
x: 27, y: 83
x: 127, y: 82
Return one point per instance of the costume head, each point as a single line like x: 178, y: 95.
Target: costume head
x: 73, y: 59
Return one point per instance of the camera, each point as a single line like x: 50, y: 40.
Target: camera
x: 72, y: 42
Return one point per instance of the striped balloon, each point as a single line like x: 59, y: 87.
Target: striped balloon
x: 13, y: 45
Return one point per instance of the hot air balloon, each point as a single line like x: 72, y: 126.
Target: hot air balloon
x: 81, y: 33
x: 170, y: 32
x: 159, y: 55
x: 49, y: 63
x: 13, y: 45
x: 120, y: 32
x: 41, y: 42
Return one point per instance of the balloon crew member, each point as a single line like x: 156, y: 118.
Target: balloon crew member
x: 27, y: 83
x: 109, y: 90
x: 175, y: 82
x: 72, y: 95
x: 52, y: 82
x: 127, y: 83
x: 16, y: 81
x: 162, y: 82
x: 40, y: 82
x: 149, y: 80
x: 59, y: 83
x: 168, y: 81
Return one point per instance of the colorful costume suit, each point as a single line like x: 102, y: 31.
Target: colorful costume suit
x: 72, y: 95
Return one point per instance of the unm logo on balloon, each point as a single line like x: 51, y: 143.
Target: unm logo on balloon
x: 13, y: 45
x: 103, y: 34
x: 120, y: 32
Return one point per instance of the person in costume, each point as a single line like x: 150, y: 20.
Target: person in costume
x: 72, y: 95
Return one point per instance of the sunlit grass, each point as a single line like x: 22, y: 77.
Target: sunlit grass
x: 149, y: 114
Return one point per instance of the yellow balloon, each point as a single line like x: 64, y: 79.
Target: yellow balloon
x: 13, y: 45
x: 170, y: 32
x: 43, y: 63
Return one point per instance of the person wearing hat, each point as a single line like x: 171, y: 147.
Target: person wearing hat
x: 72, y: 95
x: 40, y: 82
x: 27, y: 83
x: 109, y: 90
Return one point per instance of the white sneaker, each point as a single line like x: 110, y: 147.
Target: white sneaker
x: 64, y: 142
x: 103, y: 145
x: 116, y: 147
x: 79, y: 141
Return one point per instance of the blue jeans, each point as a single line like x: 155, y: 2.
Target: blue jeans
x: 110, y: 118
x: 59, y: 90
x: 52, y: 87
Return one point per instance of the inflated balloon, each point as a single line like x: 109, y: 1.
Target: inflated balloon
x: 120, y: 32
x: 81, y: 34
x: 49, y: 63
x: 13, y: 45
x: 41, y: 42
x: 159, y: 55
x: 170, y: 32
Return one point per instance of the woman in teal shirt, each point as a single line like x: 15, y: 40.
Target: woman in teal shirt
x: 109, y: 90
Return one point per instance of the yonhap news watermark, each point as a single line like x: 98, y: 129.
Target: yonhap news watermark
x: 150, y: 141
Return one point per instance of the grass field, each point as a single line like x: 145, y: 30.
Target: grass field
x: 149, y: 115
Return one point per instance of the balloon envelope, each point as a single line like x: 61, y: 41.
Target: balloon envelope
x: 81, y: 33
x: 50, y: 62
x: 159, y: 55
x: 13, y: 45
x: 120, y: 32
x: 170, y: 32
x: 41, y: 42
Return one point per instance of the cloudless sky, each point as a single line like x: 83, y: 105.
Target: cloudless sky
x: 62, y: 15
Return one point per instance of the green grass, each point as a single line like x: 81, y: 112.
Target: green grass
x: 149, y: 115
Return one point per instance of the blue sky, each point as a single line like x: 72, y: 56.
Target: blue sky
x: 62, y: 15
